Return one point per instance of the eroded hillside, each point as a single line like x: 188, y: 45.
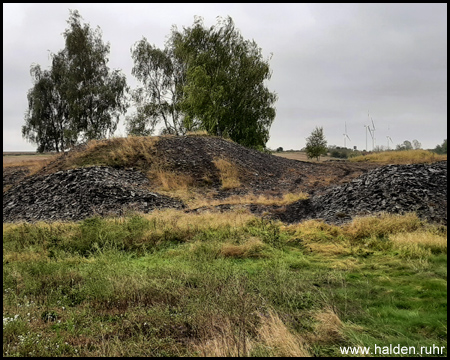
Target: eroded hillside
x: 144, y: 173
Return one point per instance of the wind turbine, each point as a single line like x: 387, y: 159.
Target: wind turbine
x: 345, y: 135
x: 366, y: 135
x: 367, y: 128
x: 389, y: 139
x: 373, y: 134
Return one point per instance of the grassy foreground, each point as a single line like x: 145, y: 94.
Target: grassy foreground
x: 230, y: 284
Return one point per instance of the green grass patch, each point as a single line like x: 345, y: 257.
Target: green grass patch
x: 175, y: 284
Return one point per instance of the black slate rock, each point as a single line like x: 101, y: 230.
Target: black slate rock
x: 397, y: 189
x: 80, y: 193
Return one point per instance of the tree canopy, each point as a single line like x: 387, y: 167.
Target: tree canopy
x: 316, y: 145
x: 204, y: 79
x: 79, y: 98
x: 158, y: 99
x: 406, y: 145
x: 441, y: 149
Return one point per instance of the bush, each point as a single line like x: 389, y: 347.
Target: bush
x: 341, y: 154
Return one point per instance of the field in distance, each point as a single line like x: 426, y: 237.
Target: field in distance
x: 16, y: 158
x: 300, y: 155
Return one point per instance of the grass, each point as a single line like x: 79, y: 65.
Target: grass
x: 171, y: 283
x: 228, y: 172
x: 401, y: 157
x: 383, y: 157
x: 261, y: 199
x: 171, y: 181
x: 131, y: 151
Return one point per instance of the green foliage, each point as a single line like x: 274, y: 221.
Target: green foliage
x: 268, y: 231
x: 204, y: 79
x: 340, y: 153
x: 441, y: 149
x: 162, y: 76
x: 316, y: 145
x: 225, y: 87
x: 47, y: 119
x: 405, y: 146
x: 79, y: 98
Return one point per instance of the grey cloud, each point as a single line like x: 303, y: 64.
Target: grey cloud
x: 332, y: 63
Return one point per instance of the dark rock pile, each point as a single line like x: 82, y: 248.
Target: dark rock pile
x: 258, y: 172
x: 398, y: 189
x: 80, y: 193
x: 339, y: 191
x: 13, y: 175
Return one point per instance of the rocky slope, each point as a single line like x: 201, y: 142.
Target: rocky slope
x: 80, y: 193
x: 338, y: 190
x: 398, y: 189
x: 194, y: 156
x: 259, y: 172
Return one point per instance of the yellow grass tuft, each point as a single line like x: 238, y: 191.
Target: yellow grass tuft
x: 131, y: 151
x: 286, y: 199
x: 315, y: 231
x: 329, y: 327
x: 252, y: 248
x: 135, y: 147
x: 171, y: 181
x: 229, y: 173
x: 224, y: 341
x: 381, y: 225
x: 276, y: 335
x: 168, y: 219
x: 419, y: 244
x: 330, y: 249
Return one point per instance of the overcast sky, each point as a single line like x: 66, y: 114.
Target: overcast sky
x: 332, y: 64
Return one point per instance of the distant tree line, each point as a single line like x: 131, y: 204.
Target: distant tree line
x: 316, y: 146
x: 204, y: 79
x: 441, y: 149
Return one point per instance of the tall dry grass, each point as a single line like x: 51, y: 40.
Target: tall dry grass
x: 172, y: 181
x: 229, y: 173
x: 419, y: 244
x: 401, y: 157
x: 252, y: 248
x: 272, y: 335
x: 131, y: 151
x: 382, y: 225
x: 329, y: 327
x: 262, y: 199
